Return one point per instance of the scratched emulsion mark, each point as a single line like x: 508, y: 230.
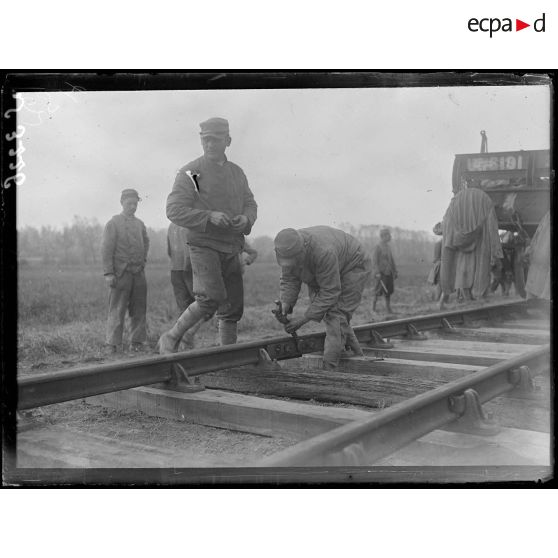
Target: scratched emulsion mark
x: 31, y: 110
x: 194, y: 178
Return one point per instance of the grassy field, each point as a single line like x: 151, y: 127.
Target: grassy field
x: 62, y: 311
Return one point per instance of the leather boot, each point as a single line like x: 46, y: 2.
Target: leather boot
x: 351, y: 341
x: 374, y: 303
x: 168, y: 342
x: 188, y: 339
x: 227, y: 332
x: 388, y: 306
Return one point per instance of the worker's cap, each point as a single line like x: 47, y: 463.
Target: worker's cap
x: 216, y: 127
x: 385, y: 231
x: 129, y: 193
x: 437, y: 229
x: 288, y: 245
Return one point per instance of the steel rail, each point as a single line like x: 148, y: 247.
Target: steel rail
x: 76, y: 383
x: 366, y: 441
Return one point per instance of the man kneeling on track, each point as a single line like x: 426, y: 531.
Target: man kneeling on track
x: 335, y: 267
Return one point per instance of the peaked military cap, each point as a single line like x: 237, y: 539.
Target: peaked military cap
x: 129, y: 193
x: 214, y: 127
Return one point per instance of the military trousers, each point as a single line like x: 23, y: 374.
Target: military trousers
x: 183, y: 288
x: 338, y: 318
x: 128, y: 295
x: 217, y: 282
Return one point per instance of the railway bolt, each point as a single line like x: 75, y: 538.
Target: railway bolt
x: 472, y: 419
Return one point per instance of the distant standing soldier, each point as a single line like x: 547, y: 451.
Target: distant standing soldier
x: 335, y: 267
x: 181, y: 267
x: 124, y: 253
x: 434, y: 275
x: 211, y: 198
x: 384, y: 269
x: 503, y: 269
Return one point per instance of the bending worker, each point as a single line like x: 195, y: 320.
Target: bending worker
x: 211, y: 198
x: 335, y: 267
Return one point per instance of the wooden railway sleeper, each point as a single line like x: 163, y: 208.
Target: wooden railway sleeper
x: 472, y: 419
x: 413, y: 333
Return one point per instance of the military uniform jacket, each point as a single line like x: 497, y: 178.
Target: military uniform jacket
x: 383, y: 261
x: 329, y: 254
x: 221, y: 188
x: 125, y: 245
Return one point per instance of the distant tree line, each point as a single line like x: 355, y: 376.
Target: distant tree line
x: 80, y: 243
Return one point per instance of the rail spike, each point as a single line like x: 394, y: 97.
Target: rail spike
x: 181, y: 381
x: 524, y: 388
x: 265, y: 362
x: 447, y: 327
x: 413, y: 333
x: 472, y: 419
x: 377, y: 341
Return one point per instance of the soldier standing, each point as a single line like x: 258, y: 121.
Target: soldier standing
x: 212, y: 200
x: 335, y: 267
x: 124, y: 253
x: 434, y: 275
x: 384, y: 269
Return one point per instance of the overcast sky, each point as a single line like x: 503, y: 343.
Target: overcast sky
x: 318, y: 156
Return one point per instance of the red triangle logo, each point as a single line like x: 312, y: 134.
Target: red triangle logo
x: 519, y: 25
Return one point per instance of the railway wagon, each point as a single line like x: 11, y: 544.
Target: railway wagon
x: 518, y: 183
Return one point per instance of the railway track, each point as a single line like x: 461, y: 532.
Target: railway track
x: 425, y: 382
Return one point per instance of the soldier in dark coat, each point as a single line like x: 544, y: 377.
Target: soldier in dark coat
x: 385, y: 270
x: 212, y: 200
x: 335, y: 267
x: 434, y: 275
x: 124, y: 253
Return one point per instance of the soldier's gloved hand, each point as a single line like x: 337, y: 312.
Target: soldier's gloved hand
x: 239, y: 223
x: 111, y: 280
x: 293, y: 325
x: 286, y: 308
x: 220, y: 219
x: 378, y: 275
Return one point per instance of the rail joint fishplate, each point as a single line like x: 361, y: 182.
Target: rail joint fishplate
x: 472, y: 419
x: 288, y: 349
